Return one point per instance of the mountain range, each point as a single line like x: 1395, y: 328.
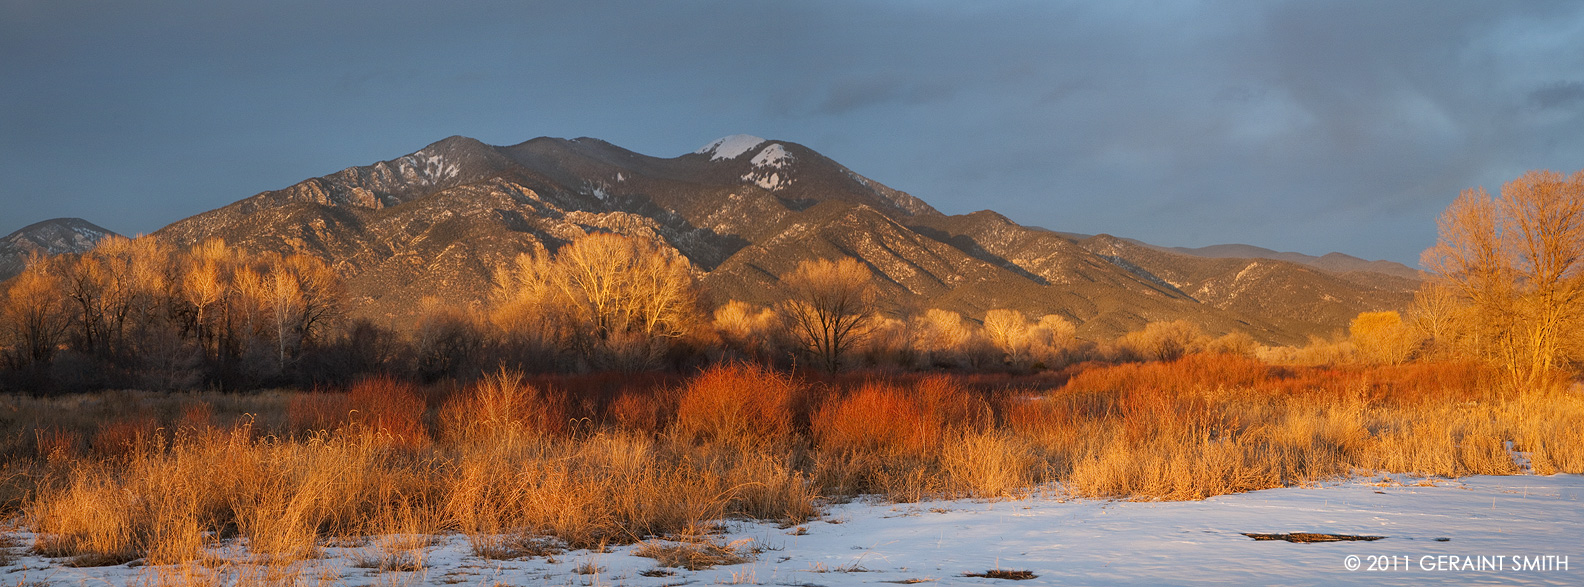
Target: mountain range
x: 743, y: 210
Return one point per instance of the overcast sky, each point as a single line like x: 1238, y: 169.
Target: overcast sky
x: 1307, y: 126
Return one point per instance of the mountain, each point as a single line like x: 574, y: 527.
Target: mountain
x: 50, y: 237
x: 743, y: 210
x: 1336, y: 263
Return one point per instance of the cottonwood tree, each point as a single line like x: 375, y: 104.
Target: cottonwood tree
x: 618, y: 300
x: 1518, y: 262
x: 830, y: 307
x: 1436, y: 316
x: 1382, y: 337
x: 746, y: 329
x: 206, y: 287
x: 35, y: 312
x: 1163, y: 341
x: 1009, y: 331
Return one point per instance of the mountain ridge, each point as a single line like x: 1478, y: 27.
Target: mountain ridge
x: 438, y: 221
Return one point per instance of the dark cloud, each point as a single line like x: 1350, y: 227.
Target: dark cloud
x: 848, y: 95
x: 1311, y: 126
x: 1558, y: 95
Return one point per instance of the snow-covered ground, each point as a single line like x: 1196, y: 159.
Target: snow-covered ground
x: 1081, y: 542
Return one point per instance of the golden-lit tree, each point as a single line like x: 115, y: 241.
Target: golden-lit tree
x: 446, y: 338
x: 943, y: 338
x: 314, y: 296
x: 830, y: 307
x: 206, y: 288
x: 1438, y: 317
x: 1054, y: 341
x: 745, y: 328
x: 1233, y: 343
x: 1382, y: 337
x: 619, y: 300
x: 35, y: 312
x: 1518, y: 262
x: 1008, y: 330
x: 1164, y: 341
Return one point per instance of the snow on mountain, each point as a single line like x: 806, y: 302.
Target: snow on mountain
x: 730, y: 147
x: 467, y: 207
x: 426, y: 167
x: 764, y: 174
x: 769, y: 181
x: 773, y: 156
x: 51, y: 237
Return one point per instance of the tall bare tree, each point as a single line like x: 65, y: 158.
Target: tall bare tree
x: 1518, y: 261
x: 35, y: 312
x: 831, y: 306
x: 1009, y: 331
x: 619, y: 300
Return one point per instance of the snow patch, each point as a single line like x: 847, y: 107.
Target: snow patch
x: 773, y: 156
x: 1058, y: 539
x: 427, y: 167
x: 770, y: 181
x: 730, y: 147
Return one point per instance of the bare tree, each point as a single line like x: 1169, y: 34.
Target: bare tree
x: 1435, y: 315
x: 831, y: 306
x: 1009, y: 331
x: 205, y: 290
x: 1164, y: 341
x: 318, y: 296
x: 746, y: 329
x: 1382, y: 337
x: 1518, y: 261
x: 36, y: 313
x: 618, y: 300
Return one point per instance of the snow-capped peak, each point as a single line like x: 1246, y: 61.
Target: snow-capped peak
x: 730, y: 147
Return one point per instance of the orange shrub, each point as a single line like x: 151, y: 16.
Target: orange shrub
x: 56, y: 443
x: 876, y: 417
x: 886, y: 417
x: 952, y: 405
x: 646, y: 411
x: 504, y: 403
x: 389, y: 406
x: 197, y: 416
x: 124, y: 437
x: 313, y: 412
x: 738, y: 404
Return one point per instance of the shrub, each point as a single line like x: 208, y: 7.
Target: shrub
x: 738, y: 404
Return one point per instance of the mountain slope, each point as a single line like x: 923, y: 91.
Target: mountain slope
x: 50, y: 237
x: 744, y: 210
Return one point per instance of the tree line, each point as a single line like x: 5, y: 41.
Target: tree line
x: 1506, y: 288
x: 142, y: 313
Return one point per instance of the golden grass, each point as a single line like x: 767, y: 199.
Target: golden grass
x: 523, y: 470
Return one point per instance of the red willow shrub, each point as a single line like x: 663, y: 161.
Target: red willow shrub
x: 389, y: 406
x: 504, y: 402
x: 889, y: 418
x: 741, y: 405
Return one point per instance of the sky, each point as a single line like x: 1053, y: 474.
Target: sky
x: 1307, y: 126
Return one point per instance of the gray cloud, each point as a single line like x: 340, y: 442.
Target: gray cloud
x: 1311, y: 126
x: 1558, y: 95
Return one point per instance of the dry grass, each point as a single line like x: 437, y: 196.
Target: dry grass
x: 525, y: 470
x: 696, y: 553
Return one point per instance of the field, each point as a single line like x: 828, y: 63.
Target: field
x: 714, y: 469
